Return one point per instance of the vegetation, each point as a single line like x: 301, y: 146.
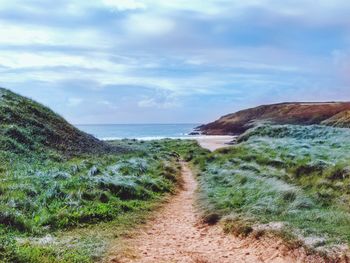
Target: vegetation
x: 27, y: 126
x: 65, y: 195
x: 293, y: 180
x: 40, y: 198
x: 57, y: 181
x: 334, y: 114
x: 288, y: 180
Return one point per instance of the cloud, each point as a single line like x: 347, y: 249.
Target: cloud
x: 160, y: 101
x: 153, y: 103
x: 178, y: 56
x: 151, y: 25
x: 123, y: 5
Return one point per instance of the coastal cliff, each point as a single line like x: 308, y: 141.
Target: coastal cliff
x: 302, y: 113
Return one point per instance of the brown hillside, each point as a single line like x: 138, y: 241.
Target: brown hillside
x: 328, y: 113
x: 341, y: 119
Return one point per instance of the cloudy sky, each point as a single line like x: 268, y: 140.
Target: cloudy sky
x: 178, y: 61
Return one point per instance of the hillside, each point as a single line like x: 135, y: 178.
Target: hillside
x: 57, y: 180
x: 327, y: 113
x: 286, y: 179
x: 27, y: 127
x: 341, y: 119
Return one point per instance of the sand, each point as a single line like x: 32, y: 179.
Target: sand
x: 213, y: 143
x: 176, y: 234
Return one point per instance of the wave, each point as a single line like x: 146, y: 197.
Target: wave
x: 153, y: 138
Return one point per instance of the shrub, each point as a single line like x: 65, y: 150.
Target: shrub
x: 338, y: 172
x: 211, y: 218
x: 13, y: 219
x: 7, y: 248
x: 93, y: 171
x: 125, y: 187
x: 237, y: 227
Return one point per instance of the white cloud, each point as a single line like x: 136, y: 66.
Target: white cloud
x: 17, y: 34
x: 13, y: 34
x: 167, y: 101
x: 123, y: 5
x: 145, y: 24
x: 208, y: 7
x: 181, y: 47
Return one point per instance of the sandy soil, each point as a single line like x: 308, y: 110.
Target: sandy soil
x: 177, y: 234
x: 213, y: 143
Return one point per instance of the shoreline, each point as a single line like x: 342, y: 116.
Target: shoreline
x: 210, y: 142
x: 184, y: 137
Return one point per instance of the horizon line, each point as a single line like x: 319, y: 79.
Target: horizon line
x: 151, y: 123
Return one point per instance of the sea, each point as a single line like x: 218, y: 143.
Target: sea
x: 139, y: 131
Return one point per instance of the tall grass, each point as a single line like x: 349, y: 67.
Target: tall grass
x: 293, y: 177
x: 41, y: 196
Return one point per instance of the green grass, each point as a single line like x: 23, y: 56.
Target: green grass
x: 45, y: 196
x: 65, y: 196
x: 57, y: 180
x: 289, y: 180
x: 296, y: 177
x: 27, y: 126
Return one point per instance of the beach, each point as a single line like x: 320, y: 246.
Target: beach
x: 213, y: 143
x: 150, y: 132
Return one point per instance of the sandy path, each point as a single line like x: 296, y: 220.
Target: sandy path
x: 213, y: 143
x: 177, y: 235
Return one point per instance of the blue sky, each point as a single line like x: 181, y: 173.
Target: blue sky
x: 157, y: 61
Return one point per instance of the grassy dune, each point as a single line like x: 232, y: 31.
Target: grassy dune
x: 64, y: 195
x: 27, y: 127
x: 293, y: 180
x: 41, y: 198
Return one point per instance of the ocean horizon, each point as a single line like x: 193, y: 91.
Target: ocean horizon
x: 139, y: 131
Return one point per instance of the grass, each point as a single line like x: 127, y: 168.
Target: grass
x: 294, y: 177
x: 65, y: 196
x: 57, y: 180
x: 289, y: 180
x: 44, y: 196
x: 27, y: 126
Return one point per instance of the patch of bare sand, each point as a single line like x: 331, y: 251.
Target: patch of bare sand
x: 213, y: 143
x: 177, y: 234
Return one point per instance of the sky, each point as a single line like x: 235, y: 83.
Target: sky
x: 173, y: 61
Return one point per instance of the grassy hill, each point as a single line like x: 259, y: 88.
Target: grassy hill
x: 27, y: 126
x: 289, y: 180
x: 286, y: 180
x: 57, y: 180
x: 328, y: 113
